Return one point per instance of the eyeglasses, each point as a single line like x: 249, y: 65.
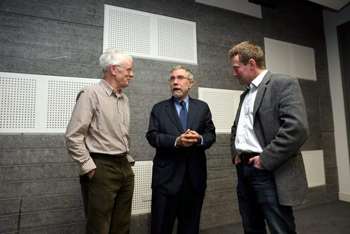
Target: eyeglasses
x: 179, y: 78
x: 128, y: 69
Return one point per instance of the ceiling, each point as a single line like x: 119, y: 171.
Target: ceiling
x: 333, y: 4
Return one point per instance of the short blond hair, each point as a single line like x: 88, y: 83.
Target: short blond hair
x: 249, y: 50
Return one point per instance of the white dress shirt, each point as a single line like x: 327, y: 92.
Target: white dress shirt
x: 246, y: 140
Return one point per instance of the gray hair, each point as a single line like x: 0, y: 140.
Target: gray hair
x: 112, y: 57
x: 188, y: 71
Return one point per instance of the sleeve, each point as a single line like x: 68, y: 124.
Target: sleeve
x: 209, y: 135
x: 77, y: 130
x: 293, y: 131
x: 155, y: 136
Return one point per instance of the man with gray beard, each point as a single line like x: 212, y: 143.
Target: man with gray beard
x: 180, y: 129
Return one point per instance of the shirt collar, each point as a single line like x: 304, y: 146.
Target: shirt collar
x: 256, y: 82
x: 109, y: 89
x: 185, y: 100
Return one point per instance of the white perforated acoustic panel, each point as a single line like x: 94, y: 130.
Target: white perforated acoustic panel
x: 175, y: 39
x: 141, y: 202
x: 17, y: 102
x: 314, y: 167
x: 61, y: 100
x: 291, y: 59
x: 37, y: 103
x: 150, y: 36
x: 128, y: 31
x: 223, y: 105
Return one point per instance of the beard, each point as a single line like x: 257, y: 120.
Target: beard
x: 179, y: 92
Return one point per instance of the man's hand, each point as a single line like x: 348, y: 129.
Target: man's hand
x: 90, y: 174
x: 237, y: 159
x: 257, y: 162
x: 195, y: 135
x: 188, y: 138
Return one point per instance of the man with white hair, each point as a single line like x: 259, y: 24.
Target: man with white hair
x: 98, y: 140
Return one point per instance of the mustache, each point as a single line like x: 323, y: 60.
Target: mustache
x: 176, y: 87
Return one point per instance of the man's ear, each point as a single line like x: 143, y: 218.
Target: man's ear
x: 252, y: 63
x: 112, y: 69
x: 191, y: 84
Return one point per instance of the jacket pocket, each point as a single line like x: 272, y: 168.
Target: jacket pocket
x: 160, y: 161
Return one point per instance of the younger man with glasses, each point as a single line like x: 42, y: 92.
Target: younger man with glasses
x: 98, y: 140
x: 181, y: 130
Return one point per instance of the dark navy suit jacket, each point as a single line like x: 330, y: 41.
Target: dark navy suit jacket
x: 170, y: 162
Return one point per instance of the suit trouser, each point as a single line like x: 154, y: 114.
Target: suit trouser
x: 258, y: 201
x: 107, y: 196
x: 186, y: 206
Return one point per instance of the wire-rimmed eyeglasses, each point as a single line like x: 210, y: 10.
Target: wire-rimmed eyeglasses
x: 128, y: 69
x: 179, y: 78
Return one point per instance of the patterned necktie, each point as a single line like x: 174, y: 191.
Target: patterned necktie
x: 183, y: 115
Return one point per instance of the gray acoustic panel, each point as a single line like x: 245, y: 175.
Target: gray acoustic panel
x: 223, y: 104
x: 291, y: 59
x: 314, y: 167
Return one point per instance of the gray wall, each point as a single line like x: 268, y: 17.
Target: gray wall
x: 331, y: 21
x: 40, y: 192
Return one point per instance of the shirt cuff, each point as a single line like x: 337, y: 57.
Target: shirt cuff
x: 87, y: 166
x: 176, y: 142
x: 202, y: 141
x: 130, y: 159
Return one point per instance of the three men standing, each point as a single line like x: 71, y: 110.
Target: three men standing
x: 267, y: 134
x: 180, y: 129
x: 98, y: 139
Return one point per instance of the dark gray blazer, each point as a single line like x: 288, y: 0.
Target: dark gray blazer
x: 280, y: 124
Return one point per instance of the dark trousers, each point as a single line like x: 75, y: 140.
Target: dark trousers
x: 258, y: 201
x: 107, y: 196
x: 186, y: 206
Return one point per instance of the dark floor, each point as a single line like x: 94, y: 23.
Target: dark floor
x: 328, y: 218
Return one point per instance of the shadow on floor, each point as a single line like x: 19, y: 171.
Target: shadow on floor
x: 328, y: 218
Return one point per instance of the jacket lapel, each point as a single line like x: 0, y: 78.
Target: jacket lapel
x: 261, y: 91
x: 171, y: 110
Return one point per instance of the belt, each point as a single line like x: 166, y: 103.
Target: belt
x: 246, y: 156
x: 118, y: 158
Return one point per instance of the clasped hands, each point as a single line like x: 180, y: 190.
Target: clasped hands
x: 188, y: 138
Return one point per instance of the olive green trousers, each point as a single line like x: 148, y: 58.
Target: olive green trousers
x: 108, y: 195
